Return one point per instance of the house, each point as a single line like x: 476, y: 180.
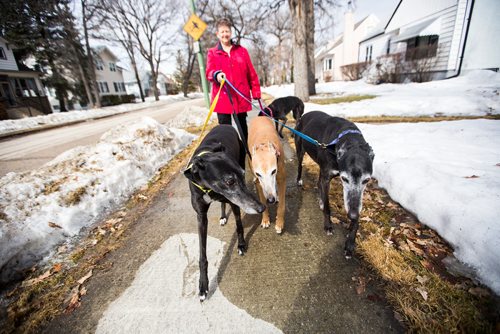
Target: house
x: 343, y: 50
x: 165, y: 85
x: 446, y: 36
x: 109, y: 75
x: 22, y: 93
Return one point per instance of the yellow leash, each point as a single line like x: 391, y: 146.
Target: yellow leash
x: 210, y: 111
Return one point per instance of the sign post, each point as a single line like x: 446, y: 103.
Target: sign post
x: 195, y: 28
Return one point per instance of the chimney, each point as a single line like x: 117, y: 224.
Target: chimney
x: 349, y: 47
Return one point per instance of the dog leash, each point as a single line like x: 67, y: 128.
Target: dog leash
x: 298, y: 133
x: 238, y: 124
x: 210, y: 111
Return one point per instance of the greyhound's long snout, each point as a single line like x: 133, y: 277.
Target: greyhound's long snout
x: 271, y: 200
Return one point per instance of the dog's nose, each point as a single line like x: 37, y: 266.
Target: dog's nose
x: 261, y: 208
x: 271, y: 200
x: 353, y: 215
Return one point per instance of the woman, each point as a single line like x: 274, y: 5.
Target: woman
x: 231, y: 62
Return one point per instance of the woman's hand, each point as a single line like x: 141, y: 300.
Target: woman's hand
x: 221, y: 76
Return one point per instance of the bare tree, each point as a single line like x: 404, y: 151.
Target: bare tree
x: 149, y: 24
x: 117, y: 31
x: 299, y: 12
x: 88, y: 11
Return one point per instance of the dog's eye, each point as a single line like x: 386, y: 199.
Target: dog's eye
x: 273, y: 172
x: 365, y: 181
x: 230, y: 182
x: 258, y: 175
x: 344, y: 179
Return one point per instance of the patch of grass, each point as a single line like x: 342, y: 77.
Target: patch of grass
x: 343, y: 99
x: 444, y: 309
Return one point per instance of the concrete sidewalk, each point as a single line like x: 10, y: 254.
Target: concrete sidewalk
x: 298, y: 282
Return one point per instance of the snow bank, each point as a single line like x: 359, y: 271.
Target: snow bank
x: 39, y: 209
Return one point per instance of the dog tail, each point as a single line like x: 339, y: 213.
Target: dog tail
x: 298, y: 111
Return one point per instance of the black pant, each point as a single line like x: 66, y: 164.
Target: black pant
x: 242, y: 118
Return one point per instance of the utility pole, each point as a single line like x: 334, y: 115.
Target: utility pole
x: 201, y: 62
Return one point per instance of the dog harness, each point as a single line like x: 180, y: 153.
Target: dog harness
x: 342, y: 134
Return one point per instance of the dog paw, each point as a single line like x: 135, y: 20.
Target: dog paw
x: 321, y: 205
x: 265, y: 224
x: 329, y: 230
x: 203, y: 296
x: 279, y: 230
x: 241, y: 251
x: 300, y: 183
x: 223, y: 221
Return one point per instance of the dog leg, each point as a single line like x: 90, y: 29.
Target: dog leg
x: 280, y: 132
x: 324, y: 188
x: 242, y: 245
x: 223, y: 216
x: 280, y: 217
x: 265, y: 221
x: 350, y: 243
x: 201, y: 211
x: 300, y: 157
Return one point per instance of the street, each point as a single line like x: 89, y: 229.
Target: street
x: 25, y: 152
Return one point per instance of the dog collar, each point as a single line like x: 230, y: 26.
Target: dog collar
x: 342, y: 134
x: 206, y: 191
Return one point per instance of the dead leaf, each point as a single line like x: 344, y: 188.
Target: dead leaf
x: 479, y: 292
x: 335, y: 220
x: 40, y: 278
x: 414, y: 248
x: 422, y: 279
x: 361, y: 286
x: 56, y: 267
x: 74, y: 301
x: 423, y: 293
x: 141, y: 196
x: 53, y: 225
x: 86, y: 277
x: 471, y: 177
x: 366, y: 219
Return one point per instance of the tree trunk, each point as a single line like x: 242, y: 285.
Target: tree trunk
x: 154, y: 79
x: 90, y: 59
x: 85, y: 83
x: 131, y: 53
x: 311, y: 68
x: 298, y: 10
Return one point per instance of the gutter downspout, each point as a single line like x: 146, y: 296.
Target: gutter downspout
x: 465, y: 42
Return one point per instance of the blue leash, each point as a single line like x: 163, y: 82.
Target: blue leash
x: 298, y: 133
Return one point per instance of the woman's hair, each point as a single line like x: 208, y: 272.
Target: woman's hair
x: 223, y: 23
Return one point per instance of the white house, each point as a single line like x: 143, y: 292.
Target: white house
x: 21, y: 90
x: 109, y: 75
x: 457, y: 35
x: 343, y: 50
x: 165, y: 84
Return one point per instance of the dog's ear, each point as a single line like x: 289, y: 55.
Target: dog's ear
x: 219, y: 148
x: 371, y: 154
x: 274, y: 148
x: 340, y: 153
x: 194, y: 168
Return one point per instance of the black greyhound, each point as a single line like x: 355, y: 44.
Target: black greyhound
x: 282, y: 106
x: 216, y: 173
x: 349, y: 156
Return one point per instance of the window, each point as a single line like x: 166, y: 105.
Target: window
x: 117, y: 89
x: 421, y: 47
x: 388, y: 46
x: 368, y: 55
x: 106, y: 88
x: 103, y: 87
x: 328, y: 64
x: 112, y: 67
x: 2, y: 54
x: 123, y: 86
x: 99, y: 65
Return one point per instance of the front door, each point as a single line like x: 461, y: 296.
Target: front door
x: 7, y: 93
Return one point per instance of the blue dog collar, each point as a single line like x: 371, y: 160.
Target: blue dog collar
x: 342, y: 134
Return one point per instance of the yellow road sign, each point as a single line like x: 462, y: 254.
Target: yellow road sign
x: 195, y: 27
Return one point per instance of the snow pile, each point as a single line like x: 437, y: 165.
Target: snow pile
x: 40, y: 208
x: 474, y: 94
x: 448, y: 175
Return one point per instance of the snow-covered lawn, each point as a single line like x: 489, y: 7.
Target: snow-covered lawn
x: 447, y: 173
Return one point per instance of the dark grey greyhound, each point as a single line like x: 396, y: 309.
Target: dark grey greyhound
x: 216, y: 173
x: 282, y: 106
x: 348, y: 155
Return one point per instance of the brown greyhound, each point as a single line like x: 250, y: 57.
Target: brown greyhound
x: 268, y: 166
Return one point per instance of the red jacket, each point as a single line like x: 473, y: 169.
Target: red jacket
x: 239, y: 71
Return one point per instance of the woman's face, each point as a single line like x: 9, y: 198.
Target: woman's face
x: 224, y: 35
